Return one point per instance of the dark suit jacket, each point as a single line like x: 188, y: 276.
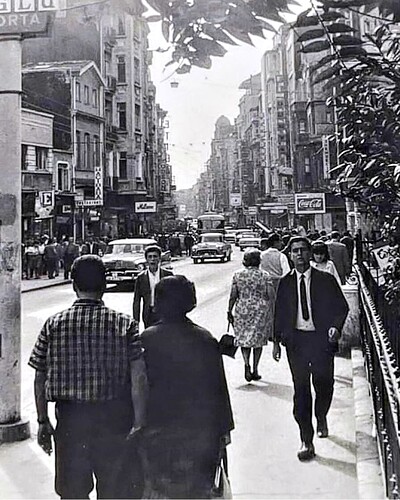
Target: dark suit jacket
x: 142, y: 291
x: 328, y: 306
x: 340, y: 257
x: 86, y: 248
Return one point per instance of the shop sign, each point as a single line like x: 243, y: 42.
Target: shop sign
x: 66, y: 209
x: 98, y: 185
x: 253, y: 210
x: 26, y: 17
x: 46, y: 198
x: 88, y: 203
x: 235, y: 199
x: 145, y: 207
x: 309, y: 203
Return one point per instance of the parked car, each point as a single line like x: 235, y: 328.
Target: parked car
x: 211, y: 246
x: 124, y: 259
x: 249, y: 241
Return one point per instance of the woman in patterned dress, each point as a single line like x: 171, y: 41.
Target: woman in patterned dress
x: 251, y: 295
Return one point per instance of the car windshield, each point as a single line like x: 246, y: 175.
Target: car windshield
x: 121, y: 248
x: 212, y: 238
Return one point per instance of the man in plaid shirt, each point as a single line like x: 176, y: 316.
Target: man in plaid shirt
x: 87, y: 363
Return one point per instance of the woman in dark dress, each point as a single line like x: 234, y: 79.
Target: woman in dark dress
x: 189, y: 415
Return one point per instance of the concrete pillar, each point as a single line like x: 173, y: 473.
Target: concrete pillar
x: 351, y: 329
x: 11, y: 426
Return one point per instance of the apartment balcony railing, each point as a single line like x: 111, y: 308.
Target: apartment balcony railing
x: 40, y: 180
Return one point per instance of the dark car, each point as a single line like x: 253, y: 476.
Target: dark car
x: 211, y: 246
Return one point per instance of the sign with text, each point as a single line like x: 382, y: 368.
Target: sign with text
x: 26, y: 17
x: 309, y: 203
x: 46, y: 198
x: 326, y: 156
x: 235, y: 199
x: 98, y: 184
x: 87, y: 203
x: 145, y: 207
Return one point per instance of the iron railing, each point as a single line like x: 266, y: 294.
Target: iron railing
x: 380, y: 342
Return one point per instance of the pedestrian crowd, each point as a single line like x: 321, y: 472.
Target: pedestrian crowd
x: 148, y: 413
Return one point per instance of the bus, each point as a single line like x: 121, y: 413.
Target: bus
x: 211, y: 223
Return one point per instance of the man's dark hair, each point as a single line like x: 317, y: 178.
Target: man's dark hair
x: 152, y: 248
x: 89, y: 274
x: 175, y: 295
x: 272, y: 239
x: 335, y: 235
x: 298, y: 239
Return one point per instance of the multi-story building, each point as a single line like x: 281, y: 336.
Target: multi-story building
x: 117, y: 43
x: 73, y: 92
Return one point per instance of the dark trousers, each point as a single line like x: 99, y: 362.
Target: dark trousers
x: 68, y: 261
x: 310, y: 359
x: 51, y: 267
x: 90, y: 440
x: 151, y: 318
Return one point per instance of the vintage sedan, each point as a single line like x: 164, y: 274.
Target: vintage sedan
x: 249, y: 241
x: 211, y: 246
x: 124, y: 259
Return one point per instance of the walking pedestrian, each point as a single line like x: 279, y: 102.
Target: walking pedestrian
x: 320, y: 259
x: 51, y: 257
x: 145, y: 285
x: 340, y: 256
x: 189, y: 416
x: 71, y: 252
x: 310, y: 311
x: 252, y: 323
x: 273, y: 261
x: 86, y: 363
x: 90, y: 246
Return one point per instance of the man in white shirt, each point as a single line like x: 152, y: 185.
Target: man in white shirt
x: 273, y: 261
x: 310, y: 311
x: 145, y: 285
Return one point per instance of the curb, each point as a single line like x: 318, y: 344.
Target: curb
x: 46, y: 285
x: 369, y: 472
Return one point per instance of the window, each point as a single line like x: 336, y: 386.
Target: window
x: 123, y: 173
x: 121, y: 69
x: 62, y: 176
x: 307, y: 166
x: 78, y: 91
x: 24, y: 152
x: 136, y: 65
x: 86, y: 94
x: 78, y: 149
x: 94, y: 98
x: 96, y: 150
x: 329, y: 117
x: 41, y: 158
x: 121, y: 110
x: 87, y: 152
x: 137, y: 117
x: 302, y: 126
x: 121, y: 26
x: 108, y: 112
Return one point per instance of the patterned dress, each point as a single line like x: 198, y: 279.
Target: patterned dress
x: 253, y: 308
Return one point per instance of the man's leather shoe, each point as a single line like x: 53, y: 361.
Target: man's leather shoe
x: 306, y: 452
x: 322, y: 429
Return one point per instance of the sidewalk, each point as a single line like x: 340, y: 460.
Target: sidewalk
x: 262, y: 456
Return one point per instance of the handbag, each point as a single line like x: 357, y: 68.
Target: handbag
x: 222, y: 486
x: 227, y: 344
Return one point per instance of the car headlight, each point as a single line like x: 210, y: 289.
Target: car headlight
x: 141, y: 267
x: 195, y: 248
x: 220, y: 247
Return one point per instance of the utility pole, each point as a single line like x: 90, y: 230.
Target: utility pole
x: 19, y: 21
x: 12, y: 428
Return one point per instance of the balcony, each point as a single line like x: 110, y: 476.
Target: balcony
x: 40, y: 180
x: 131, y: 186
x: 111, y: 82
x: 111, y: 36
x: 111, y: 133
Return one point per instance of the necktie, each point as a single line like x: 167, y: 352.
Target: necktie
x: 303, y: 299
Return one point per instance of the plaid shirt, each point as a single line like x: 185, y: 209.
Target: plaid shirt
x: 85, y: 351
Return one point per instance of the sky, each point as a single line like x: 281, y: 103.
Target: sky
x: 200, y: 98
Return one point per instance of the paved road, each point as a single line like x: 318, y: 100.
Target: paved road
x: 263, y: 462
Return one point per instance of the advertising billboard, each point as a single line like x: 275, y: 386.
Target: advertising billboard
x: 309, y: 203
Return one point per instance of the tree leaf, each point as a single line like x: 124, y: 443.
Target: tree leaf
x: 217, y: 34
x: 202, y: 61
x: 327, y: 74
x: 316, y: 46
x: 185, y: 68
x: 346, y: 40
x: 153, y: 19
x: 208, y: 47
x: 339, y: 28
x: 352, y: 51
x: 311, y: 35
x: 325, y: 60
x: 306, y: 21
x: 238, y: 34
x: 165, y: 30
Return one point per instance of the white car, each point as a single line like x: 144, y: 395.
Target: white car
x: 249, y: 241
x: 211, y: 246
x: 124, y: 259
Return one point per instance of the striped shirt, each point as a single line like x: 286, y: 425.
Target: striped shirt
x: 85, y: 352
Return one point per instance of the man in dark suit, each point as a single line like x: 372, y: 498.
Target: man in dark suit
x: 310, y: 311
x: 90, y: 246
x: 340, y: 256
x: 145, y: 286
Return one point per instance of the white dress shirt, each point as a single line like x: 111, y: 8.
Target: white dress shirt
x: 301, y: 323
x: 153, y: 280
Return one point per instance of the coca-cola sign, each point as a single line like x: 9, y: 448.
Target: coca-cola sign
x: 309, y: 203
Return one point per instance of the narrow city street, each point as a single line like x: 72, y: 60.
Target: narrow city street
x: 262, y: 456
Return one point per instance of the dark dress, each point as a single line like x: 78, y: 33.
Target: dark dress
x: 189, y: 410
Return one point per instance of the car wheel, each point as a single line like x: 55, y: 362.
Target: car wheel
x: 242, y: 249
x: 222, y: 259
x: 195, y: 261
x: 202, y: 261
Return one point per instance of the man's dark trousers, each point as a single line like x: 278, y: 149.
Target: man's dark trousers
x: 309, y: 362
x: 90, y: 439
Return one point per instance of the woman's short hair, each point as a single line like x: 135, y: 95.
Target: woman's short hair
x: 152, y: 248
x: 321, y: 248
x: 89, y: 274
x: 252, y: 257
x: 175, y: 295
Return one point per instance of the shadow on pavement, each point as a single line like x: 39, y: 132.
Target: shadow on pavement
x: 343, y: 443
x: 347, y: 468
x: 272, y: 389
